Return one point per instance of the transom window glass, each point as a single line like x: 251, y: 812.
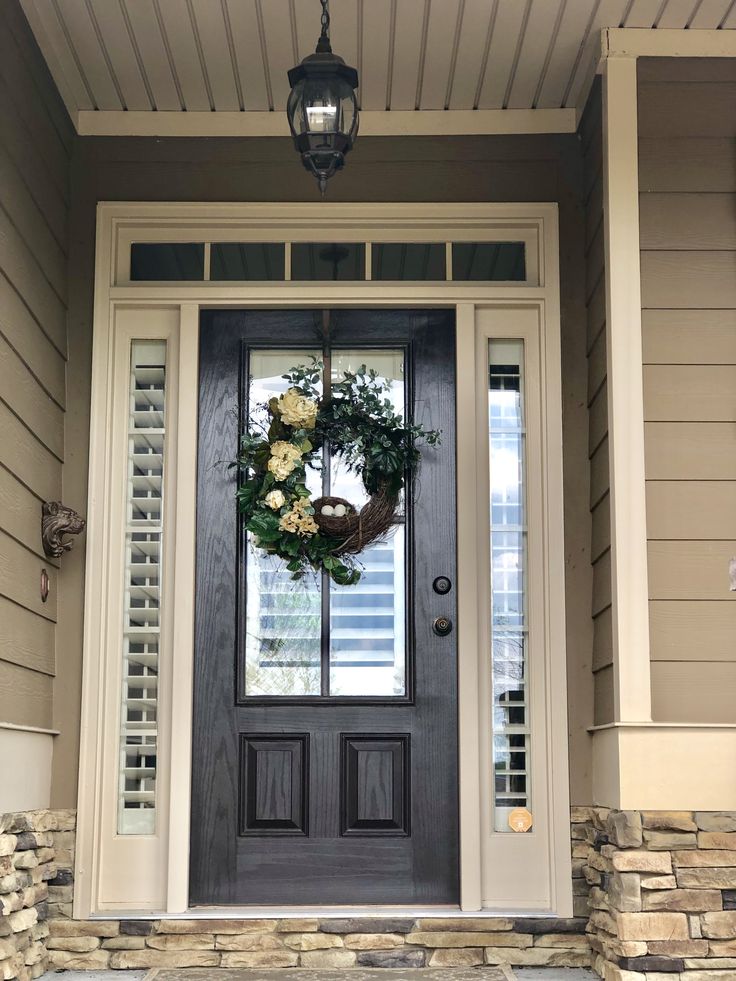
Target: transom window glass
x: 312, y: 638
x: 328, y: 260
x: 493, y: 262
x: 509, y: 628
x: 413, y: 261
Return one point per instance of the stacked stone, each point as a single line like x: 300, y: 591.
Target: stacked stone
x: 26, y: 868
x: 663, y: 896
x: 314, y: 943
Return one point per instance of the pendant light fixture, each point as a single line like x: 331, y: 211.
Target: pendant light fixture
x: 323, y: 108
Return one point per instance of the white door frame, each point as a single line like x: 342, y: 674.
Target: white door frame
x: 117, y: 874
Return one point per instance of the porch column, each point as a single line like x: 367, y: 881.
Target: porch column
x: 629, y: 585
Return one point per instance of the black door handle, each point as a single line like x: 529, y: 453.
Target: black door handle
x: 442, y: 626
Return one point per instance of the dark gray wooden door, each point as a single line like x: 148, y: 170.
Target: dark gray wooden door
x: 325, y: 719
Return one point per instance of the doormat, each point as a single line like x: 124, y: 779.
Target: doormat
x: 345, y: 974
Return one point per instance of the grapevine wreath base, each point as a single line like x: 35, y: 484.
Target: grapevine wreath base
x: 358, y: 422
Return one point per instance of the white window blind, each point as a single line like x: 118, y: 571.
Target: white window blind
x: 142, y: 599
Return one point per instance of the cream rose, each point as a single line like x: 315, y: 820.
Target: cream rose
x: 297, y: 410
x: 284, y: 457
x: 275, y: 499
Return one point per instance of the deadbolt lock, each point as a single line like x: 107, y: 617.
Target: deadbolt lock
x: 442, y: 626
x: 442, y: 585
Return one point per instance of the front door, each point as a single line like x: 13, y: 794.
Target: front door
x: 325, y: 718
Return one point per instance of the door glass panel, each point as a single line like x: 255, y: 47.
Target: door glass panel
x: 357, y: 646
x: 367, y: 621
x: 509, y: 633
x: 282, y: 617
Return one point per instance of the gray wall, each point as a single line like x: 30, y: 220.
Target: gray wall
x: 36, y: 138
x: 687, y: 164
x: 468, y: 169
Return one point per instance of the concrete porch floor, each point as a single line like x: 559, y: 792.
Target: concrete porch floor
x: 353, y: 974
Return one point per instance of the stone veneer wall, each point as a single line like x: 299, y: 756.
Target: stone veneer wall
x: 660, y: 887
x: 27, y: 869
x: 663, y: 896
x: 340, y: 943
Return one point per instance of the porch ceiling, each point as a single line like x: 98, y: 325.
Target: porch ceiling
x: 218, y: 67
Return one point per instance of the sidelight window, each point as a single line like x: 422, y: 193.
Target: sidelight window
x: 311, y: 638
x: 508, y: 551
x: 142, y: 588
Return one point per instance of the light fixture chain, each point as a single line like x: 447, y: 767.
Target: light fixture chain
x: 325, y: 18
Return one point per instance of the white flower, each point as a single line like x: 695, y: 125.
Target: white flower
x: 297, y: 410
x: 275, y: 499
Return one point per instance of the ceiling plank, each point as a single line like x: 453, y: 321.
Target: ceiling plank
x: 376, y: 23
x: 149, y: 41
x: 276, y: 16
x: 210, y: 23
x: 440, y: 53
x: 86, y: 45
x: 540, y: 34
x: 50, y: 38
x: 644, y: 13
x: 187, y: 67
x: 248, y: 53
x: 122, y: 54
x: 675, y: 15
x: 408, y: 48
x: 478, y: 20
x: 729, y: 21
x: 501, y: 55
x: 576, y: 16
x: 709, y: 15
x: 586, y: 62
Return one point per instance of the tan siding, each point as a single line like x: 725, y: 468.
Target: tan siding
x: 599, y: 473
x: 26, y: 697
x: 602, y: 583
x: 36, y: 139
x: 598, y: 419
x: 601, y: 533
x: 603, y: 639
x: 687, y: 168
x: 690, y: 570
x: 688, y: 221
x: 689, y: 393
x: 20, y: 514
x: 691, y: 509
x: 687, y: 164
x: 690, y: 451
x: 678, y: 630
x: 603, y: 685
x: 681, y: 690
x: 689, y: 336
x: 688, y: 280
x: 677, y: 109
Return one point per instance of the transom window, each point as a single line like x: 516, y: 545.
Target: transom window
x: 466, y: 261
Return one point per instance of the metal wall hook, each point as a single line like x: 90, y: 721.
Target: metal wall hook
x: 58, y: 520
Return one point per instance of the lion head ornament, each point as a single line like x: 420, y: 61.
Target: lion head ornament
x: 58, y: 520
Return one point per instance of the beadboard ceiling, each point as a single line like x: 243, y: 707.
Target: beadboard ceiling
x: 115, y: 60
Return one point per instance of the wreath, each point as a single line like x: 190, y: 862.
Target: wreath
x: 358, y: 423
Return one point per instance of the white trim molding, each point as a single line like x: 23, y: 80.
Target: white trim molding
x: 397, y: 123
x: 663, y: 43
x: 629, y: 585
x: 116, y: 873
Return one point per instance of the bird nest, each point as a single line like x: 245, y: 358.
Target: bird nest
x: 356, y: 530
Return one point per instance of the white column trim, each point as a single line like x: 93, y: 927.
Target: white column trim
x: 629, y: 586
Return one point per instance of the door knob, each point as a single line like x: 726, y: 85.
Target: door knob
x: 442, y: 626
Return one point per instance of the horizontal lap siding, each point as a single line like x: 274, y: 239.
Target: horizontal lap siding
x: 591, y: 134
x: 35, y: 146
x: 687, y: 167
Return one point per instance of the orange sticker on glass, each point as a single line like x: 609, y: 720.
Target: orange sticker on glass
x: 520, y: 819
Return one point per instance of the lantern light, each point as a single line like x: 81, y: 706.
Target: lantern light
x: 323, y: 108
